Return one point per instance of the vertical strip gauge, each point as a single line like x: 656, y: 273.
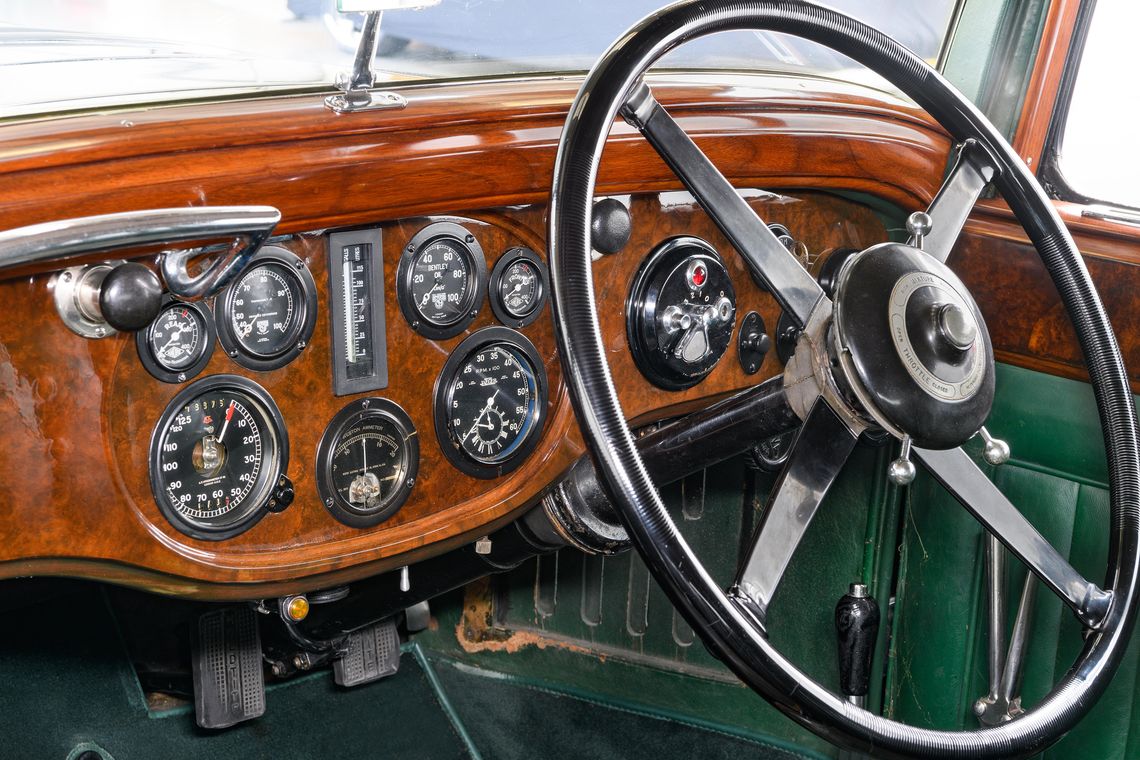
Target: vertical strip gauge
x: 356, y: 283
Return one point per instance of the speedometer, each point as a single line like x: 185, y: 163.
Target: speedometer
x: 490, y: 402
x: 218, y: 458
x: 441, y: 280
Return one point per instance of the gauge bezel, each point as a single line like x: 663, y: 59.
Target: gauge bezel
x: 351, y: 414
x: 476, y: 279
x: 275, y: 424
x: 643, y: 307
x: 151, y: 362
x: 305, y: 321
x: 509, y: 257
x: 442, y: 402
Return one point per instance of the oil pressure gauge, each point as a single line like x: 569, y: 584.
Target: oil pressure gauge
x: 367, y: 462
x: 518, y: 287
x: 178, y: 343
x: 441, y: 280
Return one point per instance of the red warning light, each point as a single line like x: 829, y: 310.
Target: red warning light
x: 699, y: 275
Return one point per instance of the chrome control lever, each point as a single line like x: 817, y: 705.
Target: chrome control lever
x: 902, y: 470
x: 996, y: 451
x: 919, y: 224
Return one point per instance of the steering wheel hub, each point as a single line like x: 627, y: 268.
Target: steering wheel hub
x: 915, y: 345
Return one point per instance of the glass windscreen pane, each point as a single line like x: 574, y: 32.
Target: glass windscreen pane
x: 62, y: 54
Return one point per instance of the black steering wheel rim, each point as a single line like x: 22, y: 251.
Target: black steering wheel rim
x: 727, y: 630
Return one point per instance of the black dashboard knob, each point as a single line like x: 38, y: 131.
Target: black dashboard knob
x: 130, y: 296
x: 609, y: 226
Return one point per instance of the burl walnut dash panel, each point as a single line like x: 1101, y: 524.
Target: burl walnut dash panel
x: 75, y: 484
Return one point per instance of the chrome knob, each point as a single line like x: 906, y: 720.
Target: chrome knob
x: 919, y: 224
x: 957, y: 327
x: 996, y: 451
x: 902, y: 470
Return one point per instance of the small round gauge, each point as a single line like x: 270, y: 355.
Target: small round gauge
x: 441, y: 279
x: 266, y: 317
x: 518, y: 287
x: 178, y: 343
x: 218, y: 457
x: 490, y: 402
x: 367, y: 462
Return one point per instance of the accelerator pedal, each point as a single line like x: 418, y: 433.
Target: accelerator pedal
x: 373, y: 653
x: 229, y: 685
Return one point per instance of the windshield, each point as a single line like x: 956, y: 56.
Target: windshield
x: 63, y: 54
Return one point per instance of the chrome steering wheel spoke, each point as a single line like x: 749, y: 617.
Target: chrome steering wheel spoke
x: 972, y: 173
x: 954, y: 469
x: 793, y: 286
x: 821, y: 448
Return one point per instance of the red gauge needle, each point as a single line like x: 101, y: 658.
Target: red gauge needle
x: 226, y: 424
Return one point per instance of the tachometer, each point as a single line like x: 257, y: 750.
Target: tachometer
x: 367, y: 462
x: 178, y: 343
x: 266, y: 317
x: 490, y: 402
x: 441, y: 280
x: 218, y: 457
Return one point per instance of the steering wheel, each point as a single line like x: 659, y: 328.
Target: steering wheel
x: 901, y: 347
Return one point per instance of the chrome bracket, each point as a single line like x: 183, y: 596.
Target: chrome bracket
x: 356, y: 86
x: 75, y: 291
x: 60, y: 241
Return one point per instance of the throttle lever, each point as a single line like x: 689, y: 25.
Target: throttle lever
x: 856, y: 630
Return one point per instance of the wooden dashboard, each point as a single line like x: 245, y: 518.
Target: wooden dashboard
x: 75, y: 497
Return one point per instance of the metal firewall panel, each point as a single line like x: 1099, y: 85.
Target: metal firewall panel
x: 612, y: 607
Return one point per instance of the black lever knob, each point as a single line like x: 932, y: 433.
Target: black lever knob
x: 130, y: 296
x: 856, y: 628
x: 610, y: 226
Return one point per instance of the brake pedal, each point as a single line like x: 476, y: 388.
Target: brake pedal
x: 373, y: 653
x: 229, y: 685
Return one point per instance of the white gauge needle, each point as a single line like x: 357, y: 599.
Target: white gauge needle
x: 427, y: 295
x: 480, y: 416
x: 364, y: 450
x: 226, y: 424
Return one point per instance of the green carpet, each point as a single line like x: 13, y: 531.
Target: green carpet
x: 65, y: 681
x: 510, y: 719
x: 67, y: 685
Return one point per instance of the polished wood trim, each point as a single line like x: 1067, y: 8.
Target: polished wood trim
x: 1045, y: 81
x: 454, y: 148
x: 88, y: 496
x: 1028, y: 324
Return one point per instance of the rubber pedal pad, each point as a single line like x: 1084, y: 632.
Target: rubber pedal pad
x: 373, y: 653
x: 229, y: 683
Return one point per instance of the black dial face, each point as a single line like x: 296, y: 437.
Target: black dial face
x: 266, y: 310
x: 520, y: 288
x: 177, y: 337
x: 216, y: 456
x: 442, y: 286
x: 367, y: 462
x: 493, y: 402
